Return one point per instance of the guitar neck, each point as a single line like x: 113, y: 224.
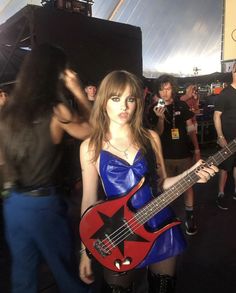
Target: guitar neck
x: 156, y: 205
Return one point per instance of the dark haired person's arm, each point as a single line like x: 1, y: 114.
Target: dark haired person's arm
x: 64, y: 120
x: 218, y: 126
x: 73, y: 83
x: 193, y: 137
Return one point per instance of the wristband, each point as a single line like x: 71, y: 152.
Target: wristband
x: 196, y: 151
x: 220, y: 136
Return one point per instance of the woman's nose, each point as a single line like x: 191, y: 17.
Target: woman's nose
x: 123, y: 106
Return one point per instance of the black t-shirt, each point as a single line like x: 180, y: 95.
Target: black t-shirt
x: 176, y: 115
x: 226, y: 103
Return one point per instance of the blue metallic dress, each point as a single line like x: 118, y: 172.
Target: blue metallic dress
x: 118, y: 177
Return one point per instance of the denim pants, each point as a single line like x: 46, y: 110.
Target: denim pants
x: 36, y: 228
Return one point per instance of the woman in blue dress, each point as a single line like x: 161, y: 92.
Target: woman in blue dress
x: 121, y: 151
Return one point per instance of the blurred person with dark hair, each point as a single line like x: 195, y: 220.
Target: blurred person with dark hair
x: 225, y: 122
x: 175, y: 126
x: 3, y: 100
x: 32, y: 127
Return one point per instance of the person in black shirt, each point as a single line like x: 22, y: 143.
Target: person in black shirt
x: 225, y: 121
x: 177, y: 132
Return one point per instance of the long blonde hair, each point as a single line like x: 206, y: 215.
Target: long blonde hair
x: 114, y: 84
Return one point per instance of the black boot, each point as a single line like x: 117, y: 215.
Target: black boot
x: 161, y: 283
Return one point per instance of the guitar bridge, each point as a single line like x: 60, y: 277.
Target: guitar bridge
x: 101, y: 248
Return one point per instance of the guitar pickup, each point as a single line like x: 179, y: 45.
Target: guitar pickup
x: 101, y: 248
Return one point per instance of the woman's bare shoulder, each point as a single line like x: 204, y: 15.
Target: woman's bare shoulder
x: 86, y: 150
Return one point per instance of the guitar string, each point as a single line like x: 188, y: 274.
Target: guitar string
x: 160, y: 207
x: 142, y: 214
x: 145, y: 209
x: 142, y: 219
x: 138, y: 224
x: 168, y: 198
x: 138, y: 221
x: 209, y: 161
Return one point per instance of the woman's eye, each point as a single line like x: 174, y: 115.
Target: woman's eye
x: 131, y: 99
x: 115, y: 99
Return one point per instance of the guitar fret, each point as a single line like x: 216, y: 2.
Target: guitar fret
x: 128, y: 227
x: 222, y: 155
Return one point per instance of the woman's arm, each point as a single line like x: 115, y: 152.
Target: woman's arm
x: 90, y: 185
x: 89, y: 176
x: 161, y: 170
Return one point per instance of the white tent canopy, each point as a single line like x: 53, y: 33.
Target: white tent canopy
x: 181, y: 36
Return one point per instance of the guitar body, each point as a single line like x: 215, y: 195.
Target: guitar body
x: 114, y: 236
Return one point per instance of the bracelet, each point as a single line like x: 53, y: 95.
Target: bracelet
x: 220, y: 137
x: 196, y: 151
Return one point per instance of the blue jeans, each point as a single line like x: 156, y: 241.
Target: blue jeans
x: 38, y: 227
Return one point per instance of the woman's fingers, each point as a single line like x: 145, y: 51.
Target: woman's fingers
x: 205, y: 171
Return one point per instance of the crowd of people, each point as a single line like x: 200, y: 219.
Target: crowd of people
x: 122, y: 144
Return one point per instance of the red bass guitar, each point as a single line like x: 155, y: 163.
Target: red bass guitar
x: 116, y: 236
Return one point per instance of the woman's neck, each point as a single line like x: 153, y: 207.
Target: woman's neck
x: 119, y: 131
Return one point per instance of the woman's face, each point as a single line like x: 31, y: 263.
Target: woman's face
x: 120, y: 109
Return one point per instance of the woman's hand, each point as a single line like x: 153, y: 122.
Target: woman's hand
x: 85, y: 269
x: 204, y: 171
